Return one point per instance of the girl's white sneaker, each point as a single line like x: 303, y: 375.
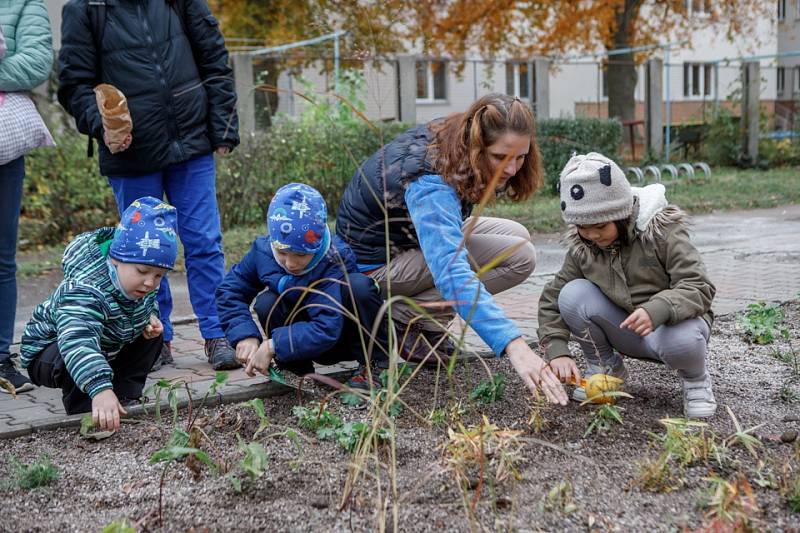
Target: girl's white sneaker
x: 698, y: 398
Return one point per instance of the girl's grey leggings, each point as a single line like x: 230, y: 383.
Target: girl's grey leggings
x: 594, y: 321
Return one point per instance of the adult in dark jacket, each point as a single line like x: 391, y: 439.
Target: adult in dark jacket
x: 425, y: 183
x: 169, y: 59
x: 26, y: 62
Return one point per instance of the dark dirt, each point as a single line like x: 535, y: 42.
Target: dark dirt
x: 301, y: 490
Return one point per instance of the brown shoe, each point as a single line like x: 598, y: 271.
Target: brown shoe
x: 418, y: 346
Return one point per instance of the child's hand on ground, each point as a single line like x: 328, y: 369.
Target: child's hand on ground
x: 246, y: 348
x: 106, y: 410
x: 153, y: 329
x: 261, y: 359
x: 122, y: 147
x: 565, y: 368
x: 639, y: 322
x: 535, y: 373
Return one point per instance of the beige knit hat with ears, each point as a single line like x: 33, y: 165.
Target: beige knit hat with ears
x: 594, y: 190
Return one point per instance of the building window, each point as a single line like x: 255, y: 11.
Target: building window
x: 698, y: 7
x: 519, y: 80
x: 781, y: 80
x: 604, y: 80
x: 431, y: 81
x: 797, y: 79
x: 698, y: 78
x: 781, y: 9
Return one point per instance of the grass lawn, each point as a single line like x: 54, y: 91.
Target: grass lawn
x: 728, y: 188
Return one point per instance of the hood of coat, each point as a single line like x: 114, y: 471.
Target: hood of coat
x: 652, y: 214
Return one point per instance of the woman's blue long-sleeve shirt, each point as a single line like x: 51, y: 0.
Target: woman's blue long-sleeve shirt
x: 436, y: 213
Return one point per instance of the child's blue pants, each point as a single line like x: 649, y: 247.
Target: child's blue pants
x: 190, y: 187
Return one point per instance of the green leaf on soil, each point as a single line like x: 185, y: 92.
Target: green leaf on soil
x: 87, y: 424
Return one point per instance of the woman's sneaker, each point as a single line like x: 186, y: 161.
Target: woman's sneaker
x: 698, y: 398
x: 619, y: 371
x: 360, y: 379
x: 10, y: 373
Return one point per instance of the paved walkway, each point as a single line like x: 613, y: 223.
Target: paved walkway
x: 751, y: 255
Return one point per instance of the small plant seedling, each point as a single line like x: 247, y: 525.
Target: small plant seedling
x: 489, y: 390
x: 760, y: 322
x: 687, y: 442
x: 119, y: 526
x: 483, y: 447
x: 742, y: 436
x: 536, y: 420
x: 316, y: 417
x: 171, y: 388
x: 258, y: 406
x: 656, y: 475
x: 790, y: 491
x: 351, y: 434
x: 438, y: 417
x: 559, y: 498
x: 787, y: 395
x: 732, y: 506
x: 39, y: 473
x: 253, y: 464
x: 603, y: 418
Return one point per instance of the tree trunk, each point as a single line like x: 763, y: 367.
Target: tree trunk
x: 621, y: 70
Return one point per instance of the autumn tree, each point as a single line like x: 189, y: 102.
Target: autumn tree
x: 372, y: 30
x: 553, y: 27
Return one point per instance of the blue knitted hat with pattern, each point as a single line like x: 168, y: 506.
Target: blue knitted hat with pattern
x: 297, y: 218
x: 146, y: 234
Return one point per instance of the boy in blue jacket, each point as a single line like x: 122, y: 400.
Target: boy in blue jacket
x: 97, y: 336
x: 310, y: 283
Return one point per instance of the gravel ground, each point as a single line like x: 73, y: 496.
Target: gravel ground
x: 109, y: 480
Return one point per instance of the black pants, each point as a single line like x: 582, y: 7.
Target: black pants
x: 130, y: 367
x: 365, y: 303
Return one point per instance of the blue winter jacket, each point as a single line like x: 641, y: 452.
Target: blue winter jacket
x: 258, y: 270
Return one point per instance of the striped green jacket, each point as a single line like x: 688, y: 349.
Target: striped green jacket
x: 89, y: 318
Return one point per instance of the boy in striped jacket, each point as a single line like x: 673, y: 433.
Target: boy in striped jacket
x: 97, y: 336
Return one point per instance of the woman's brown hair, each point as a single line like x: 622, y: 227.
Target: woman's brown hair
x: 459, y: 148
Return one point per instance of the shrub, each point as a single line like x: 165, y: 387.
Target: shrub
x: 322, y: 154
x: 64, y: 193
x: 724, y: 141
x: 560, y: 137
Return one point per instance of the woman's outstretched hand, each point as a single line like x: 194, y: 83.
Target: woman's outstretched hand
x: 534, y: 372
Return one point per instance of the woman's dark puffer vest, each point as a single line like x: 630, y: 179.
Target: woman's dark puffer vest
x: 160, y: 69
x: 382, y: 179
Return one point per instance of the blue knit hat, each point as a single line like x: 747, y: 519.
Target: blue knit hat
x: 146, y: 234
x: 297, y: 218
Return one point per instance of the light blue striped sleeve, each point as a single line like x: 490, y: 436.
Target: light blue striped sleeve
x: 436, y: 213
x: 79, y: 321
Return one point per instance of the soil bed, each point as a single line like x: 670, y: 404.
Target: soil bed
x: 303, y: 484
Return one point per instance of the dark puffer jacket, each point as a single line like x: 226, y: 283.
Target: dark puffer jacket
x: 381, y: 181
x: 180, y: 90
